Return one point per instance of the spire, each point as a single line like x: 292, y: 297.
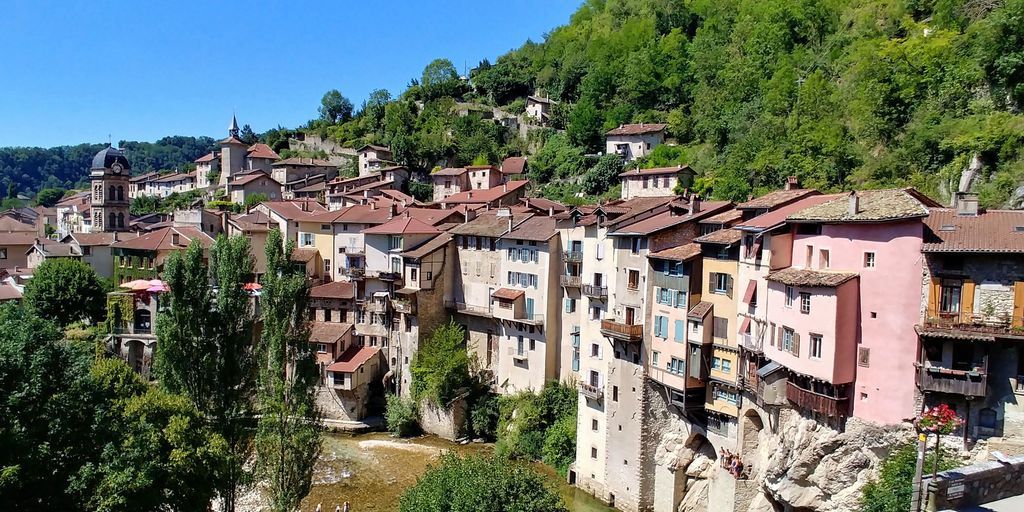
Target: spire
x: 233, y: 129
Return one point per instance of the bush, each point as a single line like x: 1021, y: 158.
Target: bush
x: 401, y: 416
x: 559, y: 449
x: 893, y: 489
x: 481, y: 484
x: 539, y: 429
x: 440, y: 370
x: 483, y: 416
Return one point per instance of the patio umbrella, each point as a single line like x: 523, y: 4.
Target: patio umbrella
x: 137, y: 285
x: 252, y: 287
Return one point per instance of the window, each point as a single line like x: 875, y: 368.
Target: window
x: 726, y: 366
x: 823, y: 258
x: 679, y: 331
x: 570, y: 305
x: 665, y: 296
x: 306, y: 239
x: 327, y: 267
x: 593, y: 452
x: 533, y: 344
x: 694, y: 326
x: 615, y: 393
x: 869, y: 260
x: 593, y: 424
x: 321, y: 348
x: 721, y: 282
x: 787, y: 340
x: 394, y: 242
x: 863, y: 356
x: 680, y: 300
x: 595, y: 350
x: 805, y: 303
x: 595, y: 312
x: 519, y: 345
x: 721, y: 327
x: 815, y: 346
x: 789, y: 296
x: 676, y: 366
x: 413, y: 274
x: 716, y: 363
x: 3, y: 253
x: 810, y: 254
x: 950, y: 296
x: 724, y: 394
x: 633, y: 279
x: 660, y: 326
x: 327, y: 315
x: 654, y: 358
x: 472, y: 242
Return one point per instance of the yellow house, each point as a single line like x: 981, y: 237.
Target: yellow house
x: 320, y: 236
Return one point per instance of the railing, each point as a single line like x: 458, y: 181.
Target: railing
x: 590, y: 391
x: 622, y: 331
x: 374, y: 306
x: 354, y: 272
x: 978, y: 323
x: 957, y: 382
x: 823, y: 404
x: 404, y: 306
x: 750, y: 380
x: 472, y: 309
x: 389, y: 276
x: 571, y: 281
x: 753, y: 342
x: 591, y: 290
x: 572, y: 256
x: 352, y: 249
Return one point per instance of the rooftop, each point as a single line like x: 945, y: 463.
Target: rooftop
x: 536, y: 228
x: 253, y: 221
x: 777, y: 198
x: 990, y: 231
x: 669, y: 218
x: 402, y: 225
x: 304, y: 254
x: 295, y: 210
x: 488, y: 224
x: 302, y: 162
x: 507, y: 294
x: 726, y: 217
x: 352, y: 358
x: 163, y: 239
x: 727, y: 236
x: 246, y: 179
x: 373, y: 147
x: 678, y: 253
x: 655, y: 171
x: 261, y: 150
x: 513, y: 165
x: 333, y: 290
x: 810, y: 278
x: 873, y: 206
x: 486, y: 195
x: 450, y: 171
x: 428, y: 247
x: 327, y: 332
x: 209, y: 157
x: 700, y: 309
x: 93, y: 239
x: 637, y: 129
x: 777, y: 217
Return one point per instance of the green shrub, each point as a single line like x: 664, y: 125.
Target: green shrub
x: 559, y: 449
x: 401, y: 416
x: 481, y: 484
x: 893, y: 489
x: 483, y: 416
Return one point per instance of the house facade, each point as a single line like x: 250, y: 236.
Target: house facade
x: 632, y: 141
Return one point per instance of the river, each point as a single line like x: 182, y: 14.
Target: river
x: 371, y: 471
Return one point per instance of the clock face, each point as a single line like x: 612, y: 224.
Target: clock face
x: 116, y: 168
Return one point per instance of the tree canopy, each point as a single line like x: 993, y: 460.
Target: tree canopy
x: 66, y: 290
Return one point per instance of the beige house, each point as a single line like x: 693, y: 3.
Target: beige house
x: 373, y: 158
x: 45, y: 249
x: 206, y: 166
x: 294, y: 170
x: 657, y: 182
x: 73, y: 214
x: 632, y: 141
x: 256, y: 182
x: 95, y: 249
x: 14, y: 249
x: 539, y: 109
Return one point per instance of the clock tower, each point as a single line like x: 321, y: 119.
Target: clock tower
x: 109, y: 176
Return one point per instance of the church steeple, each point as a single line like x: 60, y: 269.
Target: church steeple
x: 233, y: 129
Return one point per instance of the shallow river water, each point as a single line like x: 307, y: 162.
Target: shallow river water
x: 371, y: 471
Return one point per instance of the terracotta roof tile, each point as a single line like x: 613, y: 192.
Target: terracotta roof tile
x: 810, y: 278
x: 327, y: 332
x: 678, y: 253
x: 777, y: 198
x: 725, y: 217
x: 700, y: 310
x: 93, y: 239
x: 428, y: 247
x: 873, y: 206
x: 260, y: 150
x: 304, y: 254
x: 655, y: 171
x: 302, y: 162
x: 486, y: 195
x: 535, y: 228
x: 637, y: 129
x: 777, y: 217
x: 209, y: 157
x: 513, y: 165
x: 333, y: 290
x: 163, y: 239
x: 507, y: 294
x: 727, y: 236
x: 991, y: 231
x: 9, y: 292
x: 295, y: 210
x: 403, y: 225
x: 354, y: 357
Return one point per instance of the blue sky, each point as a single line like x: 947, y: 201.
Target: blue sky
x: 75, y: 72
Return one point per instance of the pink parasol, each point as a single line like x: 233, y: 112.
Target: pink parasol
x: 137, y: 285
x: 252, y: 286
x: 157, y: 286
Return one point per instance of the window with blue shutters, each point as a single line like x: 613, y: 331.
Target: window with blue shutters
x: 680, y: 330
x: 680, y: 300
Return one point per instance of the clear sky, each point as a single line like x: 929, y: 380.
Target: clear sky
x: 76, y: 71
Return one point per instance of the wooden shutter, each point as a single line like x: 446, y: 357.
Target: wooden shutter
x: 712, y: 279
x: 967, y: 300
x: 934, y: 292
x: 779, y: 336
x: 796, y: 344
x: 728, y: 287
x: 1018, y: 304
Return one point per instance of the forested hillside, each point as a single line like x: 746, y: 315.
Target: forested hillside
x: 842, y: 93
x: 65, y: 167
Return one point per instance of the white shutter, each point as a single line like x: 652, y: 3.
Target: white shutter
x: 600, y: 250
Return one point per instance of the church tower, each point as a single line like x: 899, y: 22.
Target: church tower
x: 232, y: 154
x: 109, y: 176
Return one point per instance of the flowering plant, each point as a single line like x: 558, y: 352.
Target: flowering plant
x: 940, y: 419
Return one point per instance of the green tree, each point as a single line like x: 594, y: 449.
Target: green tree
x: 481, y: 484
x: 440, y: 79
x: 440, y: 370
x: 205, y: 347
x: 144, y: 205
x: 401, y: 416
x: 288, y: 434
x: 335, y: 108
x: 602, y: 176
x: 247, y: 135
x: 584, y: 128
x: 253, y: 200
x: 893, y: 490
x: 375, y: 106
x: 66, y: 290
x: 49, y: 196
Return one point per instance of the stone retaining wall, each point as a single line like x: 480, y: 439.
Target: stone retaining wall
x: 975, y: 485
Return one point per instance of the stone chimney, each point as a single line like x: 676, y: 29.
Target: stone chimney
x: 966, y: 204
x: 792, y: 183
x: 853, y: 207
x: 391, y: 210
x: 695, y: 204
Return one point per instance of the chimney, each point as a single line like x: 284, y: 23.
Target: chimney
x: 792, y: 183
x: 551, y: 211
x: 504, y: 187
x: 373, y: 205
x: 854, y: 205
x: 391, y: 211
x: 966, y: 204
x: 469, y: 195
x: 115, y: 236
x: 695, y: 204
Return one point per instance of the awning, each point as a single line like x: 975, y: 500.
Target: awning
x: 768, y: 369
x: 381, y: 294
x: 751, y: 291
x: 745, y: 326
x: 507, y: 294
x: 406, y: 291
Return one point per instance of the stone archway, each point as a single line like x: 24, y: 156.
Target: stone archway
x: 751, y: 427
x: 136, y: 349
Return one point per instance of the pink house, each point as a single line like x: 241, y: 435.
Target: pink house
x: 856, y: 265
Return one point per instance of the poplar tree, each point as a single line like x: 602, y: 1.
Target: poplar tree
x: 288, y: 435
x: 205, y: 348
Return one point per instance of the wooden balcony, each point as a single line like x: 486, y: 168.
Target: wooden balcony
x: 591, y: 392
x: 956, y: 382
x: 354, y: 272
x: 571, y: 281
x: 572, y: 256
x: 597, y: 292
x: 822, y: 404
x: 389, y: 276
x: 469, y: 309
x: 621, y: 331
x: 976, y: 324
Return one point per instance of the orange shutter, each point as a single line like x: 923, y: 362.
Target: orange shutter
x: 967, y: 300
x: 1018, y: 304
x: 934, y: 290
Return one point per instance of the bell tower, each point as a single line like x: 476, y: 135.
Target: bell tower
x: 109, y: 176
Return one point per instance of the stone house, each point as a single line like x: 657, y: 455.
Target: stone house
x: 632, y: 141
x: 372, y: 158
x: 14, y: 249
x: 655, y: 182
x: 45, y: 249
x: 206, y: 166
x: 508, y: 194
x: 539, y: 109
x: 95, y: 249
x: 257, y: 182
x: 295, y: 170
x: 143, y: 257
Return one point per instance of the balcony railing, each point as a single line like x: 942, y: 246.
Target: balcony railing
x: 471, y: 309
x: 977, y: 323
x: 622, y: 331
x: 352, y: 249
x: 354, y: 272
x: 572, y: 256
x: 817, y: 402
x: 591, y: 290
x: 404, y: 306
x: 389, y: 276
x: 571, y: 281
x: 753, y: 342
x: 957, y: 382
x: 374, y: 306
x: 591, y: 391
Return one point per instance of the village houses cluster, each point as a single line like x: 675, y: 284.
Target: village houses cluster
x: 867, y: 304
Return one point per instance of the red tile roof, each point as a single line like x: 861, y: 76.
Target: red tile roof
x: 659, y: 171
x: 507, y: 294
x: 486, y: 195
x: 777, y: 198
x: 209, y: 157
x: 163, y: 239
x: 327, y: 332
x: 92, y: 239
x: 727, y: 236
x: 991, y: 231
x: 637, y: 129
x: 678, y: 253
x: 246, y: 179
x: 403, y: 225
x: 10, y: 225
x: 232, y: 140
x: 260, y: 150
x: 295, y: 210
x: 352, y: 359
x: 79, y: 199
x: 450, y: 171
x: 667, y: 219
x: 536, y: 228
x: 304, y: 254
x: 513, y: 165
x: 18, y: 238
x: 777, y: 217
x: 9, y: 292
x: 334, y: 290
x: 811, y: 278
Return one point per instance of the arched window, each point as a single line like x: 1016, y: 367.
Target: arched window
x: 111, y: 195
x: 143, y: 321
x: 120, y: 193
x: 987, y: 418
x: 113, y: 220
x: 120, y: 220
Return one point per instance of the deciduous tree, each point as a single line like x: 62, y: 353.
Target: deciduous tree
x: 66, y: 290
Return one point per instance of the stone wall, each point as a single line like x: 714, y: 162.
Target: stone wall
x: 976, y: 484
x: 446, y: 422
x: 343, y: 405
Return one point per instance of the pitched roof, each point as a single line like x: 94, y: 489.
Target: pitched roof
x: 700, y: 309
x: 507, y: 294
x: 261, y: 150
x: 162, y: 239
x: 93, y: 239
x: 428, y: 247
x: 209, y: 157
x: 874, y: 206
x: 637, y: 129
x: 246, y: 179
x: 486, y: 195
x: 52, y: 249
x: 536, y: 228
x: 777, y: 217
x: 990, y: 231
x: 450, y: 171
x: 678, y: 253
x: 513, y: 165
x: 316, y: 187
x: 302, y: 162
x: 333, y: 290
x: 327, y: 332
x: 725, y: 217
x: 9, y: 292
x: 727, y: 236
x: 11, y: 225
x: 295, y: 210
x: 359, y: 214
x: 433, y: 216
x: 253, y: 221
x: 174, y: 176
x: 538, y: 99
x: 373, y: 147
x: 488, y: 224
x: 402, y: 225
x: 352, y: 358
x: 146, y: 176
x: 18, y: 238
x: 659, y: 171
x: 810, y: 278
x: 541, y: 203
x: 78, y: 198
x: 668, y: 218
x: 231, y: 139
x: 304, y: 254
x: 777, y: 198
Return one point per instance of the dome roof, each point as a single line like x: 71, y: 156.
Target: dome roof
x: 107, y: 157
